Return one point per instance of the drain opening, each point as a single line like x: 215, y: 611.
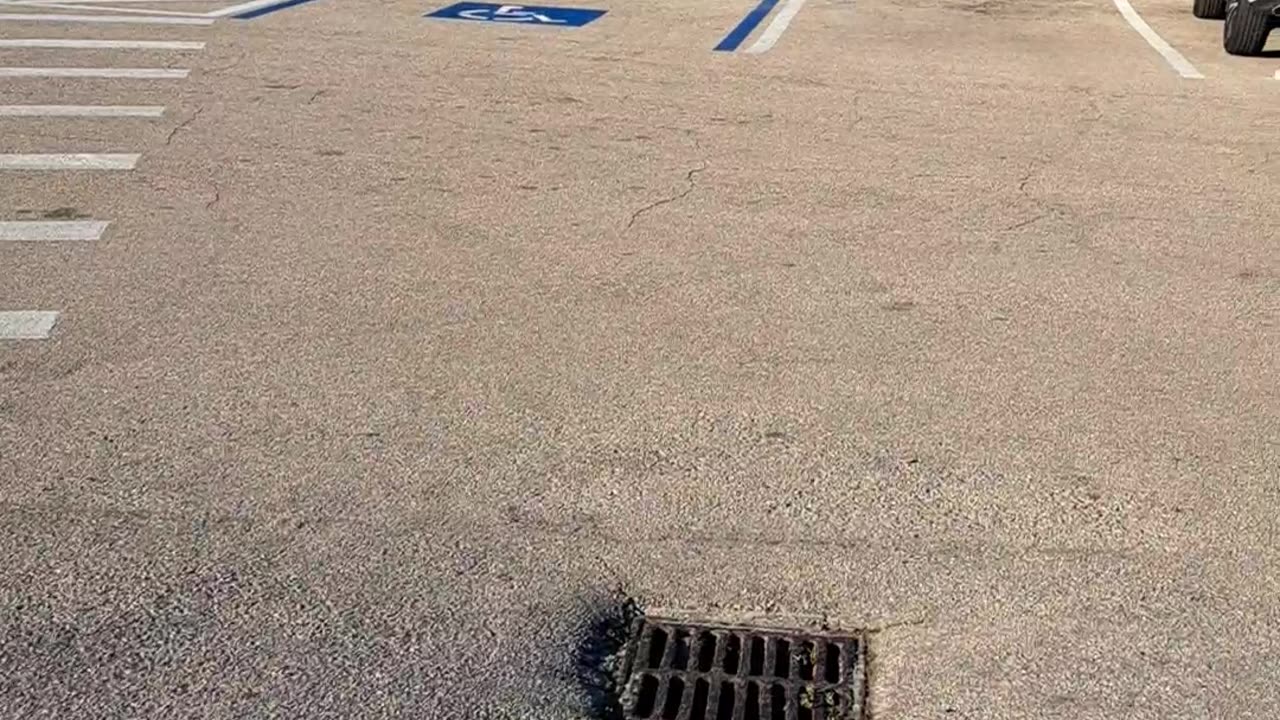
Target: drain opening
x: 753, y: 702
x: 657, y: 646
x: 804, y: 661
x: 779, y: 702
x: 707, y: 646
x: 647, y: 696
x: 700, y: 689
x: 757, y: 656
x: 675, y: 695
x: 832, y: 674
x: 724, y: 709
x: 733, y: 647
x: 681, y: 659
x: 686, y: 671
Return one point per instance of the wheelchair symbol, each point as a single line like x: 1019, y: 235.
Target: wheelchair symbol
x: 509, y: 13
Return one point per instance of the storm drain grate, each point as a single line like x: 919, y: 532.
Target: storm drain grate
x: 678, y: 671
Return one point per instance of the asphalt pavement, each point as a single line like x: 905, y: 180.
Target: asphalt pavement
x: 363, y: 368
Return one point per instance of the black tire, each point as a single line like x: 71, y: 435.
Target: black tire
x: 1209, y: 9
x: 1246, y: 30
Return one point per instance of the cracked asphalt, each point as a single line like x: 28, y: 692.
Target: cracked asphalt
x: 690, y: 186
x: 414, y: 348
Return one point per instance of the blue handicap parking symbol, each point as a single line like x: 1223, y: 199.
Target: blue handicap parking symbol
x: 522, y: 14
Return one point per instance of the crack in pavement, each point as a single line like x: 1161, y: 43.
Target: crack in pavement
x: 688, y: 178
x: 1092, y: 117
x: 183, y: 125
x: 1024, y: 223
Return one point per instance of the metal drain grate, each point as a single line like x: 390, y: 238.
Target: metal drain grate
x: 677, y: 671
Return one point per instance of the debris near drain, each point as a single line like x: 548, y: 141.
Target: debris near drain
x: 694, y: 671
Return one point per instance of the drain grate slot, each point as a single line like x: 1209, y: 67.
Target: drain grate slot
x: 684, y: 671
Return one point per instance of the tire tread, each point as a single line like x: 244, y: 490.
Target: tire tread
x: 1209, y: 9
x: 1245, y: 32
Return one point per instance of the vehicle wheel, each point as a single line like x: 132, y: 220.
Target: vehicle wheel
x: 1245, y: 32
x: 1209, y: 9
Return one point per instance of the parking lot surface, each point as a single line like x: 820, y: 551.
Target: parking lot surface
x: 354, y: 361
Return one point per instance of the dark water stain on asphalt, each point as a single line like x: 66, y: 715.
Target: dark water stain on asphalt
x: 600, y: 654
x: 64, y: 213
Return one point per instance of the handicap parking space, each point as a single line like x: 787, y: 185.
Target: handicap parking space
x: 658, y: 31
x: 518, y: 15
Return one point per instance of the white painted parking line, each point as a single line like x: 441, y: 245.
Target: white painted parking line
x: 109, y: 3
x: 45, y: 3
x: 781, y: 21
x: 51, y: 43
x: 1175, y: 59
x: 69, y: 161
x: 72, y: 72
x: 26, y: 324
x: 131, y: 19
x: 117, y: 10
x: 81, y: 111
x: 52, y: 231
x: 243, y: 8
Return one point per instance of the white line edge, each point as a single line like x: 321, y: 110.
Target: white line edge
x: 82, y: 111
x: 27, y: 324
x: 52, y: 231
x: 242, y: 7
x: 97, y: 73
x: 779, y: 25
x: 1175, y: 59
x: 69, y: 161
x: 59, y: 43
x: 124, y: 19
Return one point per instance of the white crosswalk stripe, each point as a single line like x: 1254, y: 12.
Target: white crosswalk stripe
x: 124, y: 19
x: 26, y: 324
x: 68, y: 161
x: 75, y: 72
x: 52, y: 230
x: 81, y: 110
x: 67, y: 44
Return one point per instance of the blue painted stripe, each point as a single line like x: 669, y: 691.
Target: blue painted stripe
x: 268, y: 9
x: 749, y: 23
